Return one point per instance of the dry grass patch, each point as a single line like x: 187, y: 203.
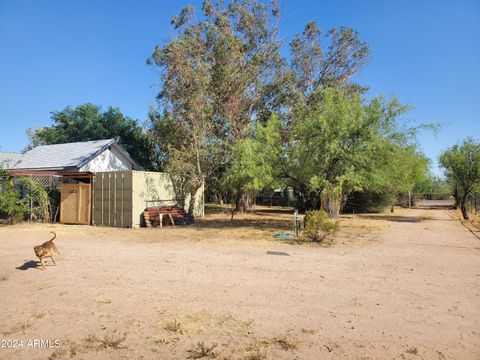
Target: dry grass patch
x: 284, y: 343
x: 68, y: 350
x: 202, y: 321
x: 202, y: 351
x: 232, y: 325
x: 18, y: 329
x: 38, y: 315
x: 167, y: 341
x: 309, y: 331
x: 258, y: 354
x: 108, y: 341
x: 103, y: 301
x: 173, y: 326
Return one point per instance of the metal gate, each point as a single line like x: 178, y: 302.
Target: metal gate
x: 112, y: 199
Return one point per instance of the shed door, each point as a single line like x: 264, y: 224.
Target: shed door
x: 75, y: 204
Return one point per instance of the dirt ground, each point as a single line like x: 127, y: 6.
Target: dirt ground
x: 390, y: 286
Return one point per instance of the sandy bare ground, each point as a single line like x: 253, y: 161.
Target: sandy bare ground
x: 393, y: 286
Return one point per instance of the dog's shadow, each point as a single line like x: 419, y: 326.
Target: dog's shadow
x: 31, y: 264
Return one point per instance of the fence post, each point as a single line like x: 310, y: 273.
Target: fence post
x: 295, y: 221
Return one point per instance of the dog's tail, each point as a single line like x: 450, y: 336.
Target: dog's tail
x: 54, y: 235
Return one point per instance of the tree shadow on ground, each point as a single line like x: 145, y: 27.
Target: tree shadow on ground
x: 410, y: 219
x: 263, y: 224
x: 270, y: 211
x: 434, y: 207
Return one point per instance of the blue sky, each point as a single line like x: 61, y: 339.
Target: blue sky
x: 58, y: 53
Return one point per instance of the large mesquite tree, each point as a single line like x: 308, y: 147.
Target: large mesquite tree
x: 347, y: 144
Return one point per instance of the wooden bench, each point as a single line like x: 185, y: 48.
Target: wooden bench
x: 153, y: 216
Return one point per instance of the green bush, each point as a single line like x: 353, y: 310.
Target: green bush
x: 318, y: 226
x: 12, y: 206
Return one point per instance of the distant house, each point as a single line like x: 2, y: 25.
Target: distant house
x: 100, y: 183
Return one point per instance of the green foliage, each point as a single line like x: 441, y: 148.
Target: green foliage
x: 462, y: 170
x: 255, y: 160
x: 222, y: 76
x: 369, y: 202
x: 434, y: 188
x: 36, y: 202
x: 11, y: 203
x: 318, y: 226
x: 38, y: 197
x: 346, y: 144
x: 88, y: 122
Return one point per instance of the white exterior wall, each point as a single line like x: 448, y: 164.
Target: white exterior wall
x: 109, y: 160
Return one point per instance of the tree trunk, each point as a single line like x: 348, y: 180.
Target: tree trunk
x: 191, y: 206
x: 331, y: 204
x: 242, y: 201
x: 457, y: 198
x: 463, y: 206
x: 238, y: 199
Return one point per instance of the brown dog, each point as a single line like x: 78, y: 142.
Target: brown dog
x: 46, y: 250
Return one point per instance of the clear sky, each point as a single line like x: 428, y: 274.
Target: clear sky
x: 55, y: 53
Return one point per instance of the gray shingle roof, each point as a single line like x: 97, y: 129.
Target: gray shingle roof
x: 61, y: 156
x: 9, y: 159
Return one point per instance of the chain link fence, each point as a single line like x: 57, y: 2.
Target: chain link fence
x: 475, y: 202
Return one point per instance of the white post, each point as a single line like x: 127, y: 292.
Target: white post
x: 161, y: 219
x: 295, y: 216
x: 409, y: 199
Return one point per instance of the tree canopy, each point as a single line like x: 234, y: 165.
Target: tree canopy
x: 462, y: 169
x: 222, y: 78
x: 88, y: 122
x: 347, y: 144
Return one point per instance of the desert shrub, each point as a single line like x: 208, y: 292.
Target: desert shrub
x: 15, y: 207
x: 318, y: 226
x: 12, y: 206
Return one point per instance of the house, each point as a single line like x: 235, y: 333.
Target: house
x: 99, y: 183
x: 77, y: 157
x: 9, y: 159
